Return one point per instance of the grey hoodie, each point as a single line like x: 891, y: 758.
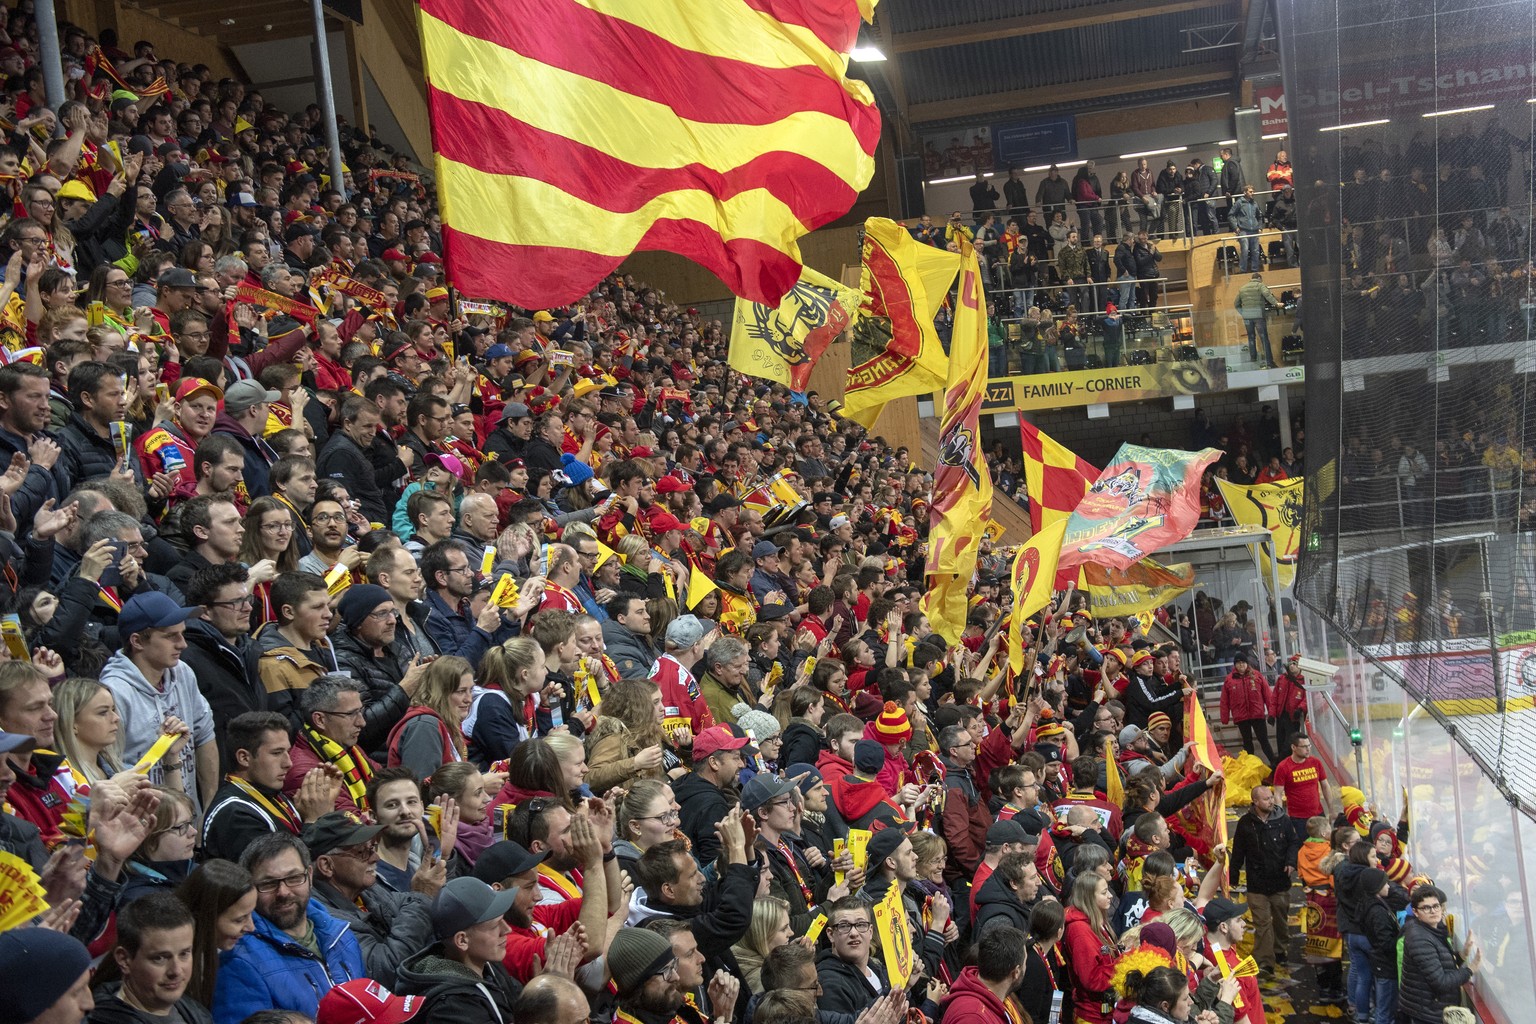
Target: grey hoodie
x: 143, y: 708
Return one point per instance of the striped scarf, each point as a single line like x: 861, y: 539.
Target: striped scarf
x: 350, y: 761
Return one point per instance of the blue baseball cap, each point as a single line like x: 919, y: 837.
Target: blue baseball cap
x: 498, y: 351
x: 153, y: 610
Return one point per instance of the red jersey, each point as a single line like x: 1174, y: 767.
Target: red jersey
x: 560, y: 599
x: 1303, y: 786
x: 680, y: 695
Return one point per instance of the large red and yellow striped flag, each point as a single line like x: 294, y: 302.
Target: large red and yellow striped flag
x: 571, y: 133
x: 962, y: 484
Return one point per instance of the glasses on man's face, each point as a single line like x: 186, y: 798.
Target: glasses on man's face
x: 1430, y: 908
x: 239, y: 602
x: 382, y: 614
x: 850, y: 927
x: 330, y: 517
x: 268, y: 886
x: 362, y: 851
x: 462, y: 568
x: 355, y: 713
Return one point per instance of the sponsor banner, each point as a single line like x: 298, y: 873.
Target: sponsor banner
x: 1120, y: 384
x: 1369, y: 91
x: 1024, y: 144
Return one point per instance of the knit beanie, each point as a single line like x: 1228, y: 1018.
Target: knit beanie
x: 892, y: 725
x: 359, y: 602
x: 759, y: 723
x: 868, y: 757
x: 576, y: 473
x: 1371, y: 881
x: 41, y: 965
x: 1156, y: 719
x: 636, y: 955
x: 866, y: 706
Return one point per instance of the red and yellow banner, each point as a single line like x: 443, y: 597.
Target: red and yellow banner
x: 721, y: 130
x: 904, y: 283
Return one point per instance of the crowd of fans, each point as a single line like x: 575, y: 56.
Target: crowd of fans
x: 379, y: 654
x: 1070, y: 295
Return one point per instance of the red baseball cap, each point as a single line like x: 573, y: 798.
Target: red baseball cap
x: 640, y: 451
x: 715, y: 739
x: 665, y: 522
x: 196, y: 385
x: 361, y: 1001
x: 429, y: 257
x: 393, y: 254
x: 670, y: 485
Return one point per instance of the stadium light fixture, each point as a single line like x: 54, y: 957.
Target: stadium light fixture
x: 959, y: 177
x: 1271, y: 138
x: 1155, y: 152
x: 1356, y: 124
x: 867, y: 53
x: 1456, y: 110
x: 1227, y: 142
x: 1046, y: 167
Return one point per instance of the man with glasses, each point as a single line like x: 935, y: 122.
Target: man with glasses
x: 1304, y: 781
x: 851, y: 978
x: 218, y: 646
x: 645, y: 975
x: 389, y: 926
x: 329, y: 735
x: 450, y: 582
x: 965, y: 820
x: 251, y: 803
x: 371, y: 650
x: 298, y: 950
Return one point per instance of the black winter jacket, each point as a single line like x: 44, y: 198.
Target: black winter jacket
x: 1264, y: 848
x: 996, y: 906
x: 702, y: 805
x: 1345, y: 877
x: 385, y: 703
x: 452, y: 994
x: 226, y: 677
x: 395, y: 925
x: 1433, y: 973
x: 1379, y: 926
x: 87, y: 453
x: 844, y: 989
x: 802, y: 743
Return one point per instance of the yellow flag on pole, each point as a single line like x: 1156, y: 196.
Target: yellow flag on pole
x: 903, y: 282
x: 1034, y: 579
x: 962, y: 484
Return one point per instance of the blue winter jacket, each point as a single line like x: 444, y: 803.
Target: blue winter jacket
x: 268, y: 970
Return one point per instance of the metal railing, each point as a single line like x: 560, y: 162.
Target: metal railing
x: 1440, y: 497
